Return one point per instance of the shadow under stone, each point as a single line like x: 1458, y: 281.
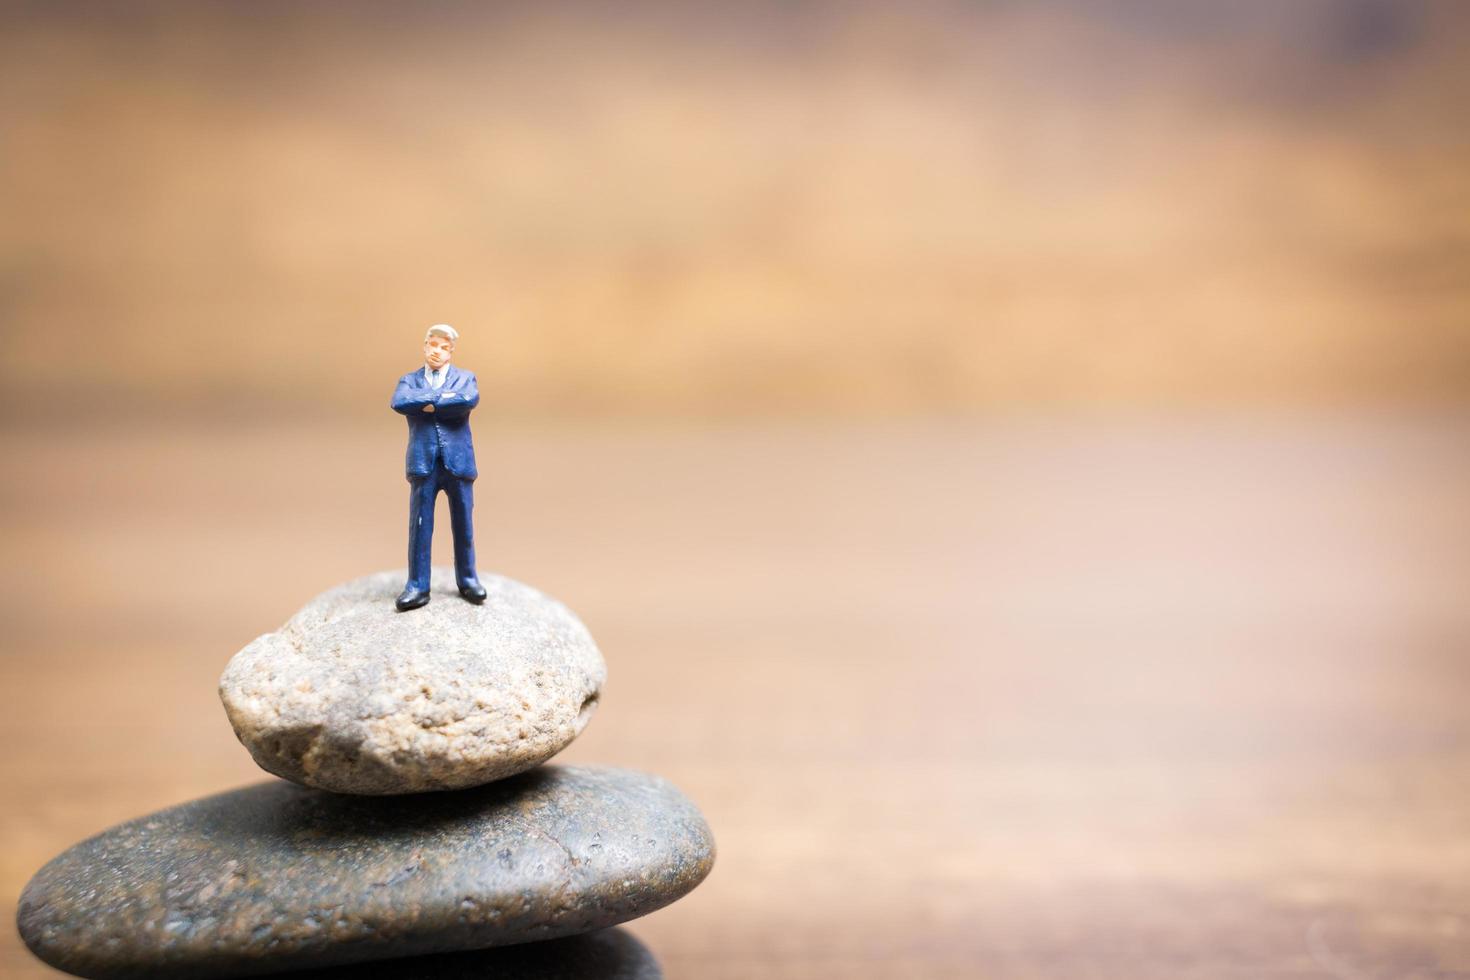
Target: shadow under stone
x: 611, y: 954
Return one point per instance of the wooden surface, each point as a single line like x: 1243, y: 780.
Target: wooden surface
x: 1027, y: 699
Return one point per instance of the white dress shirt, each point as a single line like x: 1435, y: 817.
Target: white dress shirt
x: 435, y: 378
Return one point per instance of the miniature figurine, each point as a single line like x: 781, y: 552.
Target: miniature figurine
x: 438, y: 399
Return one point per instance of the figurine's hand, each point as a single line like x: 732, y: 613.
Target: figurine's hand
x: 428, y: 408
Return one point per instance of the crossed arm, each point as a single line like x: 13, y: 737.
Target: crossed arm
x: 452, y: 402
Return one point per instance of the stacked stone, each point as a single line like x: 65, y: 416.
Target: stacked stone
x: 418, y: 821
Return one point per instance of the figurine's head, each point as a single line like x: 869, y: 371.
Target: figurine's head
x: 439, y: 345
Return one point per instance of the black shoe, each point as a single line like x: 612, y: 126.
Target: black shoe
x: 473, y: 591
x: 412, y: 599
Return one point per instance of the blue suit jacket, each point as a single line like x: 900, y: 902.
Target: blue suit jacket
x: 443, y: 433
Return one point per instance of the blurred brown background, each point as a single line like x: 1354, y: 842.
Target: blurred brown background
x: 1012, y: 455
x: 739, y: 208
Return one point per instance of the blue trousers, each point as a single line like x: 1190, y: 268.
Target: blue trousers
x: 423, y: 493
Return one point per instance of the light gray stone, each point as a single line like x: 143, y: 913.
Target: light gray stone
x: 355, y: 697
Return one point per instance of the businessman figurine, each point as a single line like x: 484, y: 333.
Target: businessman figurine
x: 438, y: 399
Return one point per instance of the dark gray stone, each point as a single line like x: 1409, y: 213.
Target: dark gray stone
x: 611, y: 954
x: 278, y: 877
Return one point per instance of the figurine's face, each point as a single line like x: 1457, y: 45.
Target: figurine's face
x: 438, y: 349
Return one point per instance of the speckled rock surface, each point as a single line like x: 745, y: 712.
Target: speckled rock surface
x: 356, y: 697
x: 609, y: 954
x: 278, y: 877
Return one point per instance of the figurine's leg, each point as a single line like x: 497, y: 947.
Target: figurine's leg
x: 423, y: 491
x: 461, y: 494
